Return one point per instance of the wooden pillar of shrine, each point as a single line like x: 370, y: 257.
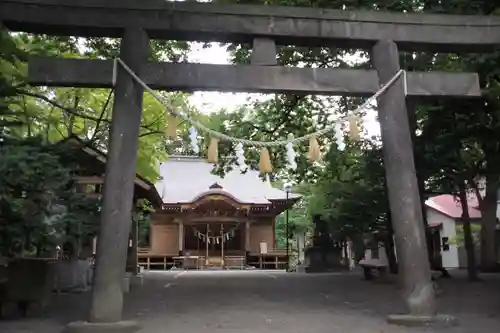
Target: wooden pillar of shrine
x: 247, y: 236
x: 107, y: 293
x: 181, y: 237
x: 132, y: 257
x: 402, y: 184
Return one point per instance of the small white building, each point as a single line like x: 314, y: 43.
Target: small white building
x: 444, y: 214
x: 444, y: 218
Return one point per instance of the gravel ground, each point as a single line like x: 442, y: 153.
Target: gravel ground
x: 270, y: 302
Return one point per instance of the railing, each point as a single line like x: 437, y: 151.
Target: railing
x: 147, y: 260
x: 274, y: 258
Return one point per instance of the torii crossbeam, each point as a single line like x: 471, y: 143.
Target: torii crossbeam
x: 242, y: 23
x: 249, y: 78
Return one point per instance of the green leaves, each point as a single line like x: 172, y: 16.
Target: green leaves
x: 57, y: 113
x: 299, y: 216
x: 31, y: 180
x: 350, y: 193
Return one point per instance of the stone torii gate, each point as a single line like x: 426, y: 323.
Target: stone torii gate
x: 136, y: 21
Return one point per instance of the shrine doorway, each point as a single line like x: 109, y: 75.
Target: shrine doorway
x: 220, y: 243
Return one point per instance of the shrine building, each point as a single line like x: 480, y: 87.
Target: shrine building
x: 209, y: 221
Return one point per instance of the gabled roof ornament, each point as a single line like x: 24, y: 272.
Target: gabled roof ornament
x: 215, y: 186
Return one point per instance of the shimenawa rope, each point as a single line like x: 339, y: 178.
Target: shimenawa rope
x: 225, y: 137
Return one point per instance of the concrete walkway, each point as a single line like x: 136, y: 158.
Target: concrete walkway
x: 271, y: 302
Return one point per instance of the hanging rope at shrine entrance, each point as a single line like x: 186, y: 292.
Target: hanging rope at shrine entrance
x: 265, y: 165
x: 215, y: 239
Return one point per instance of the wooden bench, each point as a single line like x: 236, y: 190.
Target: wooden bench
x: 234, y: 262
x: 189, y: 262
x: 369, y: 266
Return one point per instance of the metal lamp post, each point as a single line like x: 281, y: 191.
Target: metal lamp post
x: 288, y: 189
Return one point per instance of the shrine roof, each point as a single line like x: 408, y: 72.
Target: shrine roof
x: 93, y: 160
x: 185, y: 178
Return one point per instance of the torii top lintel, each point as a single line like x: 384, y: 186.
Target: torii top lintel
x: 242, y: 23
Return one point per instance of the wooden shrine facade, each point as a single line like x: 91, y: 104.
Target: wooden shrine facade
x: 135, y: 21
x: 215, y: 229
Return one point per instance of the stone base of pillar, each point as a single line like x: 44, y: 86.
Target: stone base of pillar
x: 137, y: 281
x: 86, y: 327
x: 409, y: 320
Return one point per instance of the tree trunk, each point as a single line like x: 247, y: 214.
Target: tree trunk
x: 435, y: 265
x: 469, y: 243
x: 488, y: 226
x: 345, y: 244
x: 358, y: 247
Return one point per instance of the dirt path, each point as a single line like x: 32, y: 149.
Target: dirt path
x: 270, y: 302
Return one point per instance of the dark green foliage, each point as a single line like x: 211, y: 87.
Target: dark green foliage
x: 10, y: 55
x: 31, y: 177
x: 39, y: 206
x: 350, y: 193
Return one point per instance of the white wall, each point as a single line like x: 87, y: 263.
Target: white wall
x: 449, y: 257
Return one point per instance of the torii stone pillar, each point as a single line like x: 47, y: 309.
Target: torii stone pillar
x: 116, y: 217
x: 403, y: 191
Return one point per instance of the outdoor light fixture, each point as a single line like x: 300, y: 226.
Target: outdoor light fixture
x: 287, y: 187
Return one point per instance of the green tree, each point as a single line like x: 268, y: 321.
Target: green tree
x: 459, y: 239
x: 351, y: 196
x: 299, y: 217
x: 58, y: 113
x: 10, y: 56
x: 76, y: 223
x: 32, y: 177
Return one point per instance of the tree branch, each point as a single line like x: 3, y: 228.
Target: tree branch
x: 72, y: 112
x: 475, y: 187
x: 57, y: 105
x: 101, y: 116
x: 150, y: 133
x: 293, y: 101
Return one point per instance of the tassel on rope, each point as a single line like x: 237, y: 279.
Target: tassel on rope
x: 193, y: 138
x: 213, y: 151
x: 290, y: 154
x: 354, y: 132
x: 314, y: 151
x: 240, y: 156
x: 339, y: 136
x: 171, y: 127
x: 265, y: 165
